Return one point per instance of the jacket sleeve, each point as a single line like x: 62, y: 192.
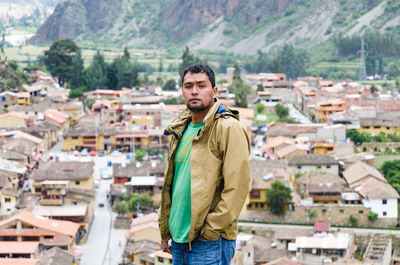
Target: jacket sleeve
x: 235, y: 147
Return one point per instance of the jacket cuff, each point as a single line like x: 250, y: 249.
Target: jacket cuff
x: 209, y: 234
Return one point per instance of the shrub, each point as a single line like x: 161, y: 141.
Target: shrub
x: 372, y: 217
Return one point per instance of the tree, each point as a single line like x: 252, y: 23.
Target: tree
x: 290, y: 61
x: 58, y: 57
x: 139, y: 154
x: 278, y: 196
x: 121, y: 207
x: 373, y: 89
x: 76, y: 68
x: 358, y: 138
x: 160, y: 65
x: 95, y: 76
x: 353, y: 220
x: 133, y: 201
x: 261, y: 63
x: 312, y: 214
x: 240, y: 89
x: 281, y: 111
x: 145, y: 200
x: 75, y: 93
x: 127, y: 73
x: 391, y: 171
x: 372, y: 217
x: 260, y: 108
x: 170, y: 85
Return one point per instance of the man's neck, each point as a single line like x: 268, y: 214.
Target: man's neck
x: 198, y: 117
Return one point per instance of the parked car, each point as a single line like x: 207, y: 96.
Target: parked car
x: 116, y: 153
x: 101, y: 204
x: 92, y: 153
x: 100, y: 153
x: 84, y: 152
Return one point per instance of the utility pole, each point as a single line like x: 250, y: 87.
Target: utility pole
x: 362, y: 72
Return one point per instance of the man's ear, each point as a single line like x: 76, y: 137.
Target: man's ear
x: 215, y: 90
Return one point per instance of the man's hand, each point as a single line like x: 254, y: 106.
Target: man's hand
x: 165, y: 247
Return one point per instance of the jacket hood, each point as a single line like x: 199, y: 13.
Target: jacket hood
x: 178, y: 125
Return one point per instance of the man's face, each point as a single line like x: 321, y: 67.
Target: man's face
x: 197, y: 92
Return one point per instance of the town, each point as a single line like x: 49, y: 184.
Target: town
x: 81, y: 178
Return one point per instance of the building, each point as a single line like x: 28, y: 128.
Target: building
x: 372, y: 186
x: 79, y: 175
x: 27, y: 227
x: 262, y: 175
x: 162, y: 258
x: 321, y: 188
x: 313, y: 163
x: 13, y: 120
x: 151, y: 218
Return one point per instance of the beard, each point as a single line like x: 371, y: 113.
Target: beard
x: 197, y: 108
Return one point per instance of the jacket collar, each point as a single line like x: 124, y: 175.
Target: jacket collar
x: 178, y: 125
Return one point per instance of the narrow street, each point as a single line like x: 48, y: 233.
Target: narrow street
x: 297, y: 115
x: 104, y: 244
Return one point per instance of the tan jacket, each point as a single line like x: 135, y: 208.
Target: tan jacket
x: 220, y: 174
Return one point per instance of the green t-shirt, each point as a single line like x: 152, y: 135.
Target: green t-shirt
x: 180, y: 217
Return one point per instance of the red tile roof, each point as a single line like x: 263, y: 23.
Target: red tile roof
x: 63, y: 227
x: 321, y: 227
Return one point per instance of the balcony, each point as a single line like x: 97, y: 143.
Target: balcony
x: 52, y: 202
x: 326, y: 198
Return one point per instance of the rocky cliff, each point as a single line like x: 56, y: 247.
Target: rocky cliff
x: 238, y: 26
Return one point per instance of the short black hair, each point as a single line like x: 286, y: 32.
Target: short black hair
x: 200, y: 68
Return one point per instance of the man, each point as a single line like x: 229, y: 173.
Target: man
x: 207, y: 176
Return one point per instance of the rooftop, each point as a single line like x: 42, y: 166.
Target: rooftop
x: 312, y: 159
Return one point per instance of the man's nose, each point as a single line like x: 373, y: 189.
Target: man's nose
x: 195, y: 89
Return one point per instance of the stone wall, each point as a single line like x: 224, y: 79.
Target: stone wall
x: 334, y: 214
x: 122, y: 223
x: 379, y: 147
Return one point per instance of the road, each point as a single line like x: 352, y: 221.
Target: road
x: 104, y: 245
x: 358, y: 231
x: 297, y: 115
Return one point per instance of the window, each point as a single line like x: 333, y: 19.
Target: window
x: 377, y: 127
x: 328, y: 166
x: 48, y: 237
x: 77, y: 182
x: 384, y: 213
x: 75, y: 137
x: 341, y: 211
x: 384, y: 201
x: 299, y: 167
x: 319, y: 166
x: 323, y: 211
x: 360, y: 211
x: 255, y: 194
x: 261, y: 205
x: 249, y: 254
x: 160, y: 259
x: 38, y: 190
x: 7, y: 199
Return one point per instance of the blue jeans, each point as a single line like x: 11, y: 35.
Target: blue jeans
x: 204, y: 252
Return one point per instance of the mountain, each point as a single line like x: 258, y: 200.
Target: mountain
x: 233, y: 25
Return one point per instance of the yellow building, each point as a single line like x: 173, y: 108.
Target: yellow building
x: 79, y: 174
x: 323, y: 109
x: 23, y: 98
x: 323, y: 148
x: 162, y: 258
x: 375, y: 126
x: 13, y: 119
x: 9, y: 198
